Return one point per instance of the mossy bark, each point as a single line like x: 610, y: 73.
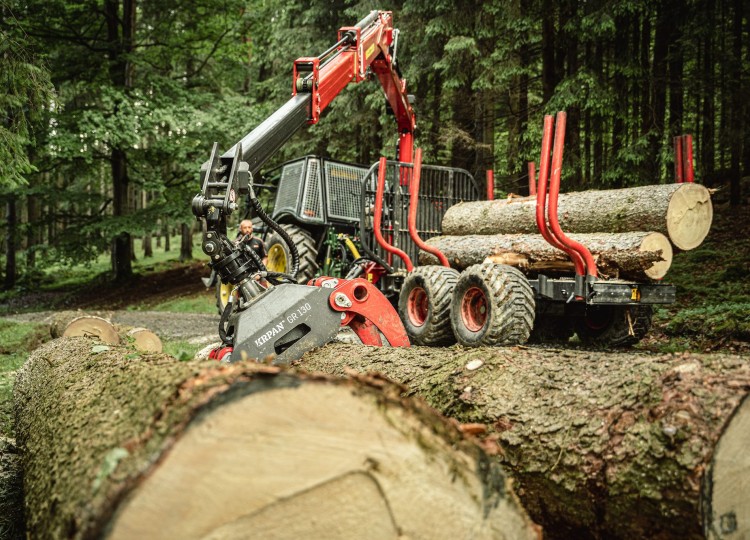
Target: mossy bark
x: 94, y: 425
x: 682, y: 212
x: 617, y: 255
x: 601, y: 445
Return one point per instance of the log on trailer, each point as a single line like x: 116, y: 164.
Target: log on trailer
x: 601, y: 445
x: 150, y: 447
x: 683, y: 212
x: 636, y: 255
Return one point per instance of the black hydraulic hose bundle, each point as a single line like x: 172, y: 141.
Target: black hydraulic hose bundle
x: 278, y: 229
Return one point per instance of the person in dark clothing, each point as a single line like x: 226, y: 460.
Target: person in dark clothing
x: 246, y: 235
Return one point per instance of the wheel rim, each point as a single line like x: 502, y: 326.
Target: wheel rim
x: 474, y: 309
x: 417, y: 306
x: 276, y: 259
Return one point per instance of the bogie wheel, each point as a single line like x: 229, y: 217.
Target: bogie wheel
x: 614, y: 326
x: 280, y: 257
x: 493, y: 304
x: 424, y: 305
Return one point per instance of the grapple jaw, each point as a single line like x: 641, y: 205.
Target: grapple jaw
x: 288, y: 320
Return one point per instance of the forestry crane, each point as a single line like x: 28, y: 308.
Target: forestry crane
x: 275, y: 318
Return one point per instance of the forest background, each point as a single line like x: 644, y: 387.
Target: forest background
x: 108, y: 107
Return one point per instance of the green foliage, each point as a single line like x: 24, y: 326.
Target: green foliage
x: 713, y: 322
x: 182, y: 350
x: 25, y: 92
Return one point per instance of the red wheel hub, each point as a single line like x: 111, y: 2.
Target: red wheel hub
x: 474, y: 309
x: 417, y: 306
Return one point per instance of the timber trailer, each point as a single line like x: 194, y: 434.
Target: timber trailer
x: 494, y: 304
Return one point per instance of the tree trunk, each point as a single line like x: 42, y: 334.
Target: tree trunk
x: 737, y: 98
x: 549, y: 72
x: 186, y: 245
x: 600, y: 445
x: 167, y: 236
x: 11, y: 271
x: 32, y: 232
x: 708, y: 151
x: 638, y: 255
x: 137, y: 447
x: 681, y: 211
x: 148, y: 249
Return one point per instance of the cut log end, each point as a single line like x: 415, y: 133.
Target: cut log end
x: 92, y: 327
x: 727, y: 482
x: 689, y: 216
x: 145, y: 340
x: 657, y: 242
x: 314, y: 461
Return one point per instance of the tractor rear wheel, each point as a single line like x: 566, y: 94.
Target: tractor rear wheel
x: 493, y: 304
x: 222, y: 294
x: 280, y: 257
x: 614, y: 326
x: 424, y: 305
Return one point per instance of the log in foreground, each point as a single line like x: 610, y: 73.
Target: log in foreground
x: 601, y: 445
x: 683, y: 212
x: 637, y: 255
x: 79, y: 324
x: 150, y: 447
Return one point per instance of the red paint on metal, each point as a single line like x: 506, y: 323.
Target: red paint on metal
x: 554, y: 193
x: 687, y: 153
x: 219, y: 353
x: 417, y: 306
x: 377, y: 218
x: 474, y: 309
x: 532, y: 179
x: 370, y: 313
x: 678, y: 164
x: 541, y: 197
x: 490, y: 185
x: 414, y: 206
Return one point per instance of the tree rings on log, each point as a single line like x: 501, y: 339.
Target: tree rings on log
x: 90, y: 326
x: 155, y: 448
x: 144, y: 340
x: 689, y: 216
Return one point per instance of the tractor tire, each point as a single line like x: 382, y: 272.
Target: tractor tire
x: 280, y: 258
x: 551, y: 329
x: 493, y: 304
x: 222, y: 295
x: 424, y: 305
x: 614, y: 326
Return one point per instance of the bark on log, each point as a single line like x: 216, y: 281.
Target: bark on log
x: 637, y: 255
x: 155, y: 448
x: 683, y: 212
x: 79, y: 324
x: 600, y: 445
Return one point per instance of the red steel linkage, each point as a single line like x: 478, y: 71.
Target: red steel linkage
x: 541, y: 198
x: 414, y: 206
x: 532, y: 179
x: 678, y: 165
x: 554, y: 194
x: 490, y: 185
x: 377, y: 218
x: 687, y: 154
x: 366, y: 311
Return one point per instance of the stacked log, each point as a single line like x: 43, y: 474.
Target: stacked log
x: 599, y: 445
x: 156, y: 448
x: 79, y: 324
x: 639, y: 256
x: 683, y: 212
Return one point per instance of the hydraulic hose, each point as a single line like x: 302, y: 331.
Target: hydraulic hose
x: 278, y: 229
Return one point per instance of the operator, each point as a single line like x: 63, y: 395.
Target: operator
x: 256, y: 244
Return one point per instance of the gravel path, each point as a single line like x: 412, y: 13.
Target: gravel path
x: 195, y: 328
